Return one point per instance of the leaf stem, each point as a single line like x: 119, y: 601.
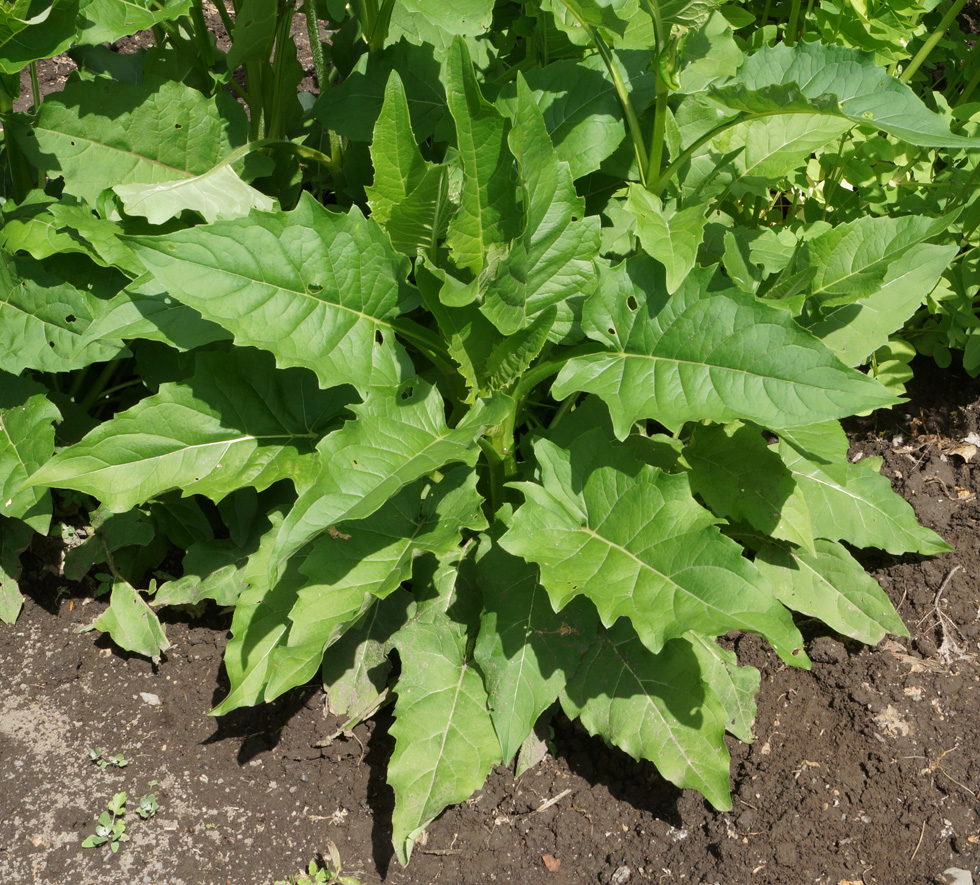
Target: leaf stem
x: 316, y: 45
x: 933, y: 39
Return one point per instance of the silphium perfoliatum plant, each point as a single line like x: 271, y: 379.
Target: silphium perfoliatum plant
x: 506, y: 373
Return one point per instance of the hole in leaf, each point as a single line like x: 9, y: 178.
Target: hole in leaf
x: 632, y: 303
x: 407, y: 392
x: 72, y: 143
x: 178, y: 126
x: 611, y: 330
x: 379, y: 339
x: 354, y: 462
x: 314, y: 288
x: 796, y: 651
x: 70, y: 318
x: 51, y: 345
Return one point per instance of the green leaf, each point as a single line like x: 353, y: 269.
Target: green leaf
x: 131, y: 623
x: 27, y: 419
x: 445, y: 744
x: 356, y: 668
x: 835, y: 81
x: 237, y: 422
x: 395, y: 440
x: 349, y: 568
x: 581, y: 109
x: 526, y: 651
x: 672, y: 238
x: 351, y: 108
x: 440, y: 25
x: 856, y: 330
x: 831, y: 585
x: 862, y: 510
x: 706, y: 352
x: 102, y: 133
x: 260, y: 622
x: 488, y: 208
x: 14, y: 538
x: 656, y: 707
x: 218, y: 193
x: 742, y: 479
x: 409, y: 197
x: 30, y: 31
x: 44, y: 318
x: 105, y: 21
x: 632, y: 539
x: 734, y: 686
x: 254, y: 33
x: 315, y: 287
x: 852, y: 259
x: 553, y: 262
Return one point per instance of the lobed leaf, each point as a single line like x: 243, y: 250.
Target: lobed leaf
x: 706, y: 352
x: 445, y: 744
x: 237, y: 422
x: 656, y: 707
x: 632, y: 539
x: 316, y: 288
x: 131, y: 623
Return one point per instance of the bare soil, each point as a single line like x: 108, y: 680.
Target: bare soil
x: 864, y: 770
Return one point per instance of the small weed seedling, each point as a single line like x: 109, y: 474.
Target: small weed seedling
x: 148, y: 806
x: 317, y: 874
x: 111, y: 828
x: 98, y: 757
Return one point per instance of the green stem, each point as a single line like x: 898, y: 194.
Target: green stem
x: 621, y: 91
x: 21, y: 177
x: 655, y: 156
x: 968, y: 89
x: 794, y: 17
x: 275, y: 123
x: 933, y: 39
x: 202, y: 36
x: 225, y: 18
x: 35, y: 87
x: 316, y: 45
x: 99, y: 386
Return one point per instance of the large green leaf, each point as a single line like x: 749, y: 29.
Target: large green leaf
x: 672, y: 237
x: 105, y: 21
x: 856, y: 330
x: 742, y: 479
x: 734, y: 686
x: 707, y: 351
x: 440, y: 25
x: 101, y: 133
x: 409, y: 197
x: 237, y: 422
x: 656, y: 707
x: 581, y: 109
x: 218, y: 193
x: 44, y: 318
x: 851, y: 259
x: 835, y: 81
x: 352, y: 107
x: 14, y: 537
x: 526, y: 651
x: 30, y: 31
x: 254, y: 33
x: 553, y: 261
x: 27, y: 419
x: 445, y: 744
x: 395, y: 440
x: 259, y: 624
x: 131, y: 623
x: 862, y: 509
x: 831, y: 585
x: 350, y: 567
x: 487, y: 214
x: 633, y: 539
x: 317, y: 288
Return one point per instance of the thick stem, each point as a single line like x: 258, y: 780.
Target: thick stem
x: 933, y: 39
x: 655, y: 156
x: 316, y: 45
x: 791, y: 28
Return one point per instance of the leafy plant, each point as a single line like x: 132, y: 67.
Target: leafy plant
x: 506, y: 372
x: 322, y: 873
x: 111, y: 828
x: 98, y: 757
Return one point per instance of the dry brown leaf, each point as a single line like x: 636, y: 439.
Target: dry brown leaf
x: 966, y: 452
x: 551, y: 862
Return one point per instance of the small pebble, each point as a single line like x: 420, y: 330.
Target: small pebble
x: 151, y: 699
x: 955, y: 876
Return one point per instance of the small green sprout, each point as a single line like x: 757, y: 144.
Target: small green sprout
x: 327, y: 874
x: 98, y: 757
x: 148, y: 806
x: 111, y: 828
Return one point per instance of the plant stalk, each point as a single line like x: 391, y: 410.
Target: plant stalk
x: 933, y: 39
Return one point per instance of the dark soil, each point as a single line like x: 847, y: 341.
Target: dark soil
x: 864, y: 770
